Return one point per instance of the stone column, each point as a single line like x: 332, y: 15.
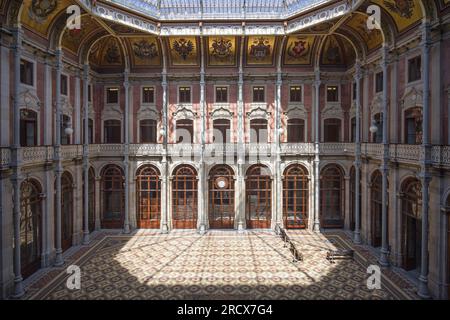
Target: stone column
x: 98, y: 206
x: 59, y: 261
x: 126, y: 154
x: 317, y: 83
x: 78, y: 125
x: 384, y: 252
x: 16, y: 165
x: 358, y: 76
x: 347, y: 199
x: 202, y: 199
x: 425, y: 161
x: 164, y: 164
x: 86, y: 153
x: 241, y: 145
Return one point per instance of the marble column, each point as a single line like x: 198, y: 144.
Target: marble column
x: 384, y: 252
x: 126, y: 154
x: 59, y: 261
x: 16, y: 165
x: 202, y: 172
x: 425, y: 174
x: 317, y: 83
x: 358, y: 76
x: 241, y: 144
x: 164, y: 164
x: 86, y: 153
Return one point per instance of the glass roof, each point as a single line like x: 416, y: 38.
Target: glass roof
x: 219, y: 9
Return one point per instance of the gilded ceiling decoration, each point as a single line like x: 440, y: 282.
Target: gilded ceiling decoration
x: 106, y: 52
x: 371, y: 37
x: 222, y: 51
x: 299, y: 50
x: 145, y: 51
x: 332, y: 53
x: 72, y: 39
x: 183, y: 51
x: 260, y: 50
x: 405, y: 13
x: 38, y: 15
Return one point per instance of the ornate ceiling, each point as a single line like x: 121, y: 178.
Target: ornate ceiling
x: 133, y: 28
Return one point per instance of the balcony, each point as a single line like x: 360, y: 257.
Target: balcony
x: 409, y: 154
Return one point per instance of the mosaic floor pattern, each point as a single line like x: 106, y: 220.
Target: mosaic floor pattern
x: 218, y: 265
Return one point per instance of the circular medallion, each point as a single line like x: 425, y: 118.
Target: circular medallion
x: 43, y: 8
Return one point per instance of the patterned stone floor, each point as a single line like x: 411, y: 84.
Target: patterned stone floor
x: 218, y: 265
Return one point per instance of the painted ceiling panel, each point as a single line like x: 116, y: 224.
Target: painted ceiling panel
x: 405, y: 13
x: 38, y: 15
x: 299, y: 50
x: 372, y: 38
x: 183, y: 51
x: 222, y: 51
x: 145, y: 51
x: 260, y: 50
x: 72, y: 39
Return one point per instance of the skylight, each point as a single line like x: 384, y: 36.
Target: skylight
x: 219, y: 9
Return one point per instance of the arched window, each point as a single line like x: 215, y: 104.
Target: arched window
x: 258, y: 131
x: 411, y: 207
x: 66, y: 210
x: 148, y: 198
x: 221, y: 197
x: 258, y: 197
x: 148, y: 131
x: 332, y: 195
x: 91, y: 200
x: 295, y: 197
x: 112, y: 131
x: 296, y: 130
x: 30, y: 227
x: 221, y: 131
x: 185, y: 131
x: 413, y: 126
x: 332, y: 130
x: 113, y: 197
x: 376, y: 208
x: 184, y: 197
x: 28, y: 128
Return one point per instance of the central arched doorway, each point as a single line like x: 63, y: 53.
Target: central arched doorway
x: 295, y: 197
x: 148, y: 198
x: 221, y: 198
x: 113, y: 196
x: 332, y: 195
x: 411, y: 203
x: 30, y: 227
x: 258, y: 196
x: 184, y: 197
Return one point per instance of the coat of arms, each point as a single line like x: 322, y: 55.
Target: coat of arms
x: 183, y: 47
x: 112, y: 53
x: 298, y: 49
x: 145, y: 50
x: 260, y: 48
x: 403, y: 8
x: 221, y: 49
x: 41, y: 9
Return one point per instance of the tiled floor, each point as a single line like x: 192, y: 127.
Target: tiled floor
x: 219, y: 265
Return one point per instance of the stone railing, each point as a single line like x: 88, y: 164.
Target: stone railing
x: 412, y: 154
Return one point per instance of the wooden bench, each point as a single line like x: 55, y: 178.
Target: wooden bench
x: 333, y: 255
